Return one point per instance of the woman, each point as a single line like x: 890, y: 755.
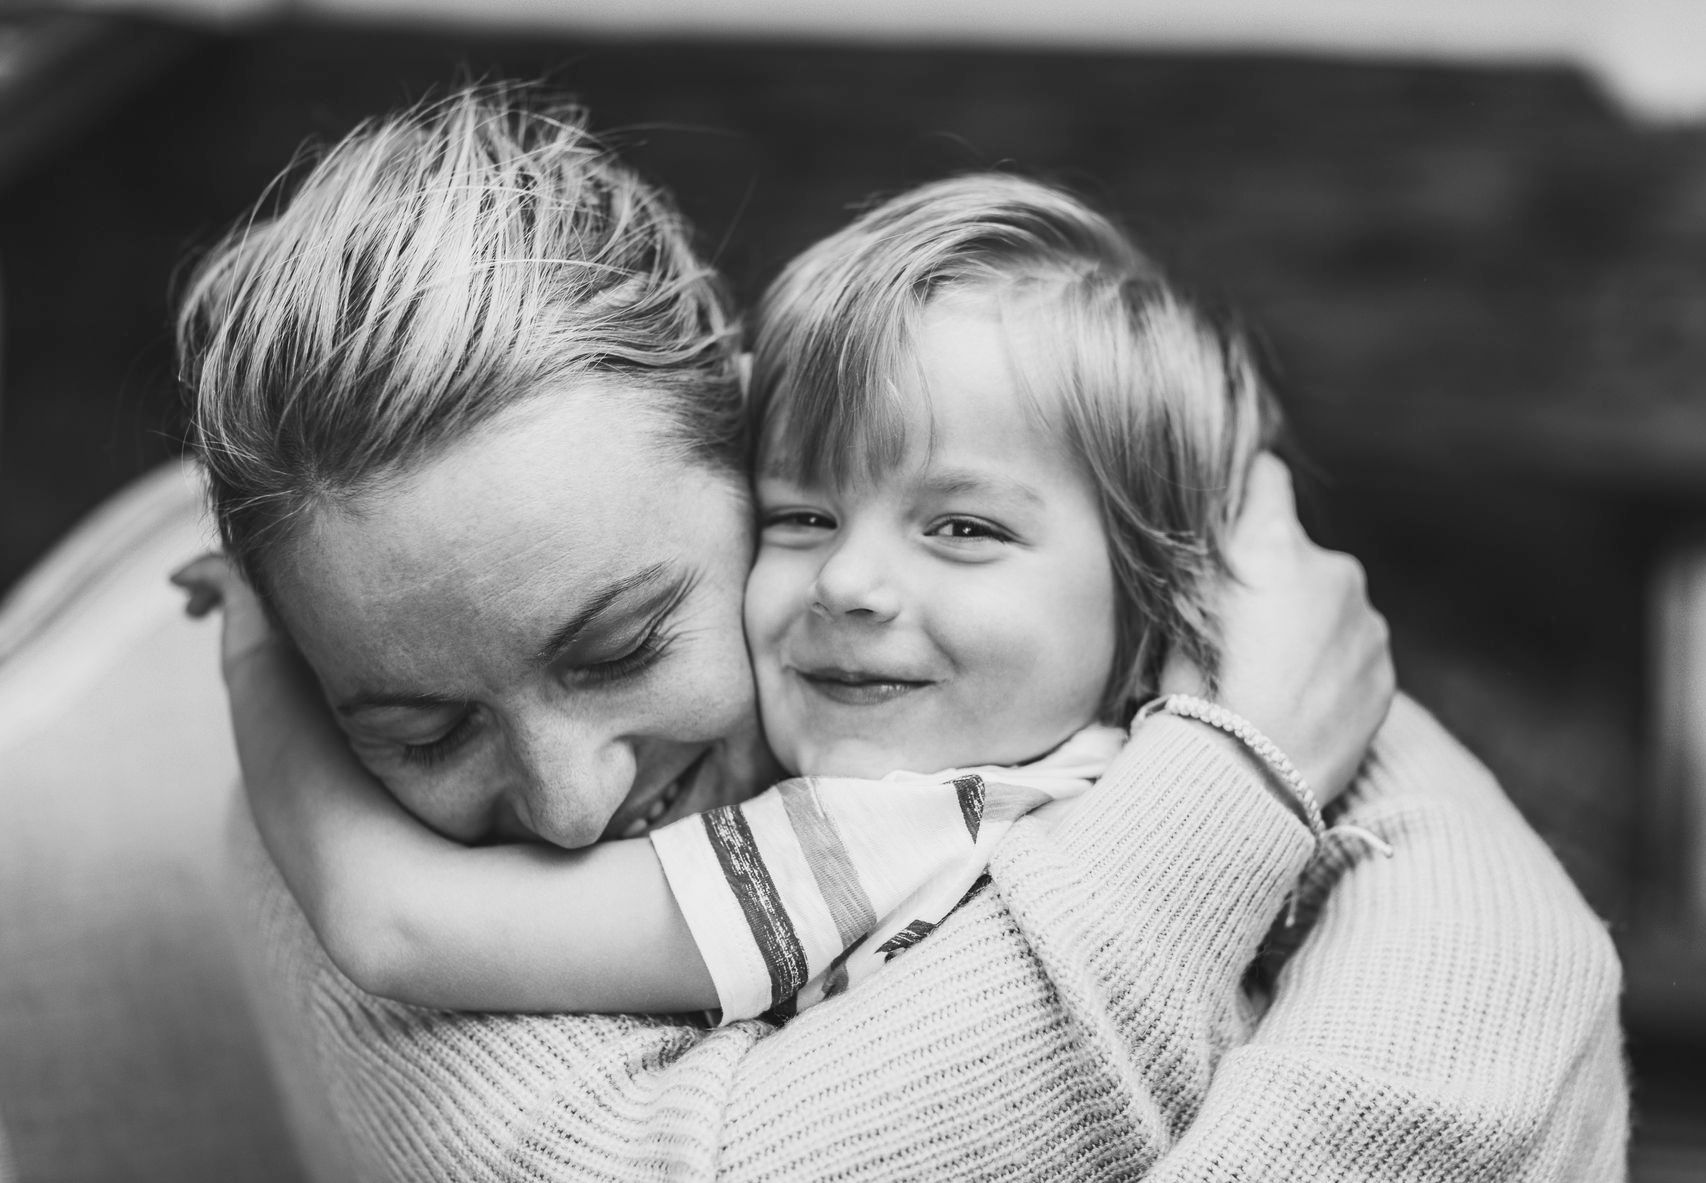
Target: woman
x: 470, y: 410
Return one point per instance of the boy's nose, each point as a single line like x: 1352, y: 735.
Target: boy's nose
x: 856, y: 580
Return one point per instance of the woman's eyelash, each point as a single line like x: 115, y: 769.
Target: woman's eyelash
x: 649, y: 648
x: 647, y: 651
x: 429, y: 754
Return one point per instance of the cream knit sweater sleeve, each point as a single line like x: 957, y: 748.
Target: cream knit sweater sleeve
x: 1451, y: 1013
x: 1067, y: 1024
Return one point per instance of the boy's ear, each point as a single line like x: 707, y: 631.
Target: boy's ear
x: 743, y: 367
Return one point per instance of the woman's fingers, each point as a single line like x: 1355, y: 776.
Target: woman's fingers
x: 1270, y: 479
x: 1305, y: 655
x: 1269, y: 500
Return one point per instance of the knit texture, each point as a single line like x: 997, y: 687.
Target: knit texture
x: 1448, y: 1014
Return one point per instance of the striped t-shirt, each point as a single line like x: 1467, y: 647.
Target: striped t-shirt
x: 808, y: 888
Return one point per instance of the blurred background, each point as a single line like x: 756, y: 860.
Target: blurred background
x: 1472, y: 239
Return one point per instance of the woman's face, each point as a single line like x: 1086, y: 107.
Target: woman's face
x: 538, y: 633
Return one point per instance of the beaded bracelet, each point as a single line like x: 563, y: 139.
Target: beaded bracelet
x: 1246, y: 733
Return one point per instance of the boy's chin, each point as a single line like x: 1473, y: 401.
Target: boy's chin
x: 862, y: 761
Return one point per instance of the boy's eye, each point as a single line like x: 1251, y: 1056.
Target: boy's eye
x: 798, y: 519
x: 960, y: 529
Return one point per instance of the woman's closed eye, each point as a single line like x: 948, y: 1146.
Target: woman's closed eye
x: 622, y: 654
x: 435, y: 751
x: 631, y: 662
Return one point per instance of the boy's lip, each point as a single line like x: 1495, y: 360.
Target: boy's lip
x: 660, y: 803
x: 858, y: 687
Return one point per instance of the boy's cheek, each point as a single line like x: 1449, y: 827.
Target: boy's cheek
x: 770, y: 603
x: 774, y: 598
x: 777, y: 717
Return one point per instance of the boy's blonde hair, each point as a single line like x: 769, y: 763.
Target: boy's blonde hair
x: 431, y: 270
x: 1163, y: 407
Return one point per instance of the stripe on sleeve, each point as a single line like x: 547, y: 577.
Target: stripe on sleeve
x: 826, y: 855
x: 749, y: 879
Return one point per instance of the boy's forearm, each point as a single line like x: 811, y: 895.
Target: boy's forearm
x: 535, y: 928
x: 313, y: 803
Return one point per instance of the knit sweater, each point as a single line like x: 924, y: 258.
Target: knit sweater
x: 1449, y: 1014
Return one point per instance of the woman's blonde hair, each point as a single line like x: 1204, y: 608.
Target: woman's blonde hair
x: 1162, y: 406
x: 433, y: 269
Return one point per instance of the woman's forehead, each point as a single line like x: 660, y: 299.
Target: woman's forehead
x: 474, y: 560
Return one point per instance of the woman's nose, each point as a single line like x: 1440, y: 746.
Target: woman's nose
x: 568, y: 779
x: 857, y: 579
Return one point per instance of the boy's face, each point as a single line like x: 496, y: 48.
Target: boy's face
x: 956, y: 610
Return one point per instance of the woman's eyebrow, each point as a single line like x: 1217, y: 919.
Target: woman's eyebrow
x: 600, y: 602
x: 382, y: 701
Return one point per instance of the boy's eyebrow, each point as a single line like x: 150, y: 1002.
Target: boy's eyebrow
x: 946, y: 482
x: 970, y: 481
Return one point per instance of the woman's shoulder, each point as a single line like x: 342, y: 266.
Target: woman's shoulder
x: 1413, y: 753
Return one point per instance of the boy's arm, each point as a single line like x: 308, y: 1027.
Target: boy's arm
x: 409, y: 915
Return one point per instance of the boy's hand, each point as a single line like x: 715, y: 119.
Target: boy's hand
x: 1306, y: 657
x: 212, y: 581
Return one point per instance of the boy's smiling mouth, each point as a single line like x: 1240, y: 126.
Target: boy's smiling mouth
x: 851, y: 687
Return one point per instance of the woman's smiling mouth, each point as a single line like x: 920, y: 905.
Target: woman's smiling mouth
x: 857, y: 687
x: 664, y: 801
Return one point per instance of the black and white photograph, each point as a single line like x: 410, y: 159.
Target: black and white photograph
x: 772, y: 590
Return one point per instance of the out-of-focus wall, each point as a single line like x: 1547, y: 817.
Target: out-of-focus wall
x: 1648, y: 53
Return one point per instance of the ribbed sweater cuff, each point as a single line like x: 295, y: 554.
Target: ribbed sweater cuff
x: 1186, y: 844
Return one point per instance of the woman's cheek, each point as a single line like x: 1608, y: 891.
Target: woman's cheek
x: 728, y: 701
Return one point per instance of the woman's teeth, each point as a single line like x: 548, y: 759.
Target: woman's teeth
x: 655, y: 810
x: 660, y: 805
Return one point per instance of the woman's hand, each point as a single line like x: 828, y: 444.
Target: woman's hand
x: 1306, y: 657
x: 213, y: 581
